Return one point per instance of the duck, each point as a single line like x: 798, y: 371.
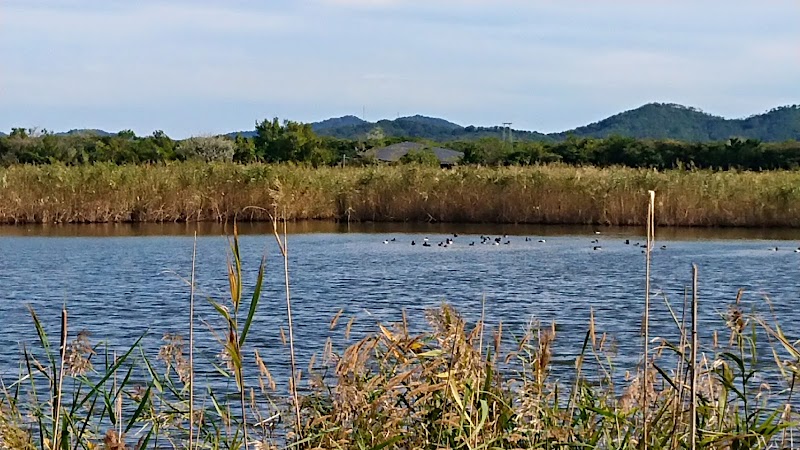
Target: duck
x: 426, y: 244
x: 527, y: 239
x: 542, y: 241
x: 425, y: 240
x: 627, y: 242
x: 797, y: 250
x: 472, y: 243
x: 663, y: 247
x: 385, y: 241
x: 507, y: 243
x: 394, y: 239
x: 597, y: 247
x: 413, y: 243
x: 595, y: 241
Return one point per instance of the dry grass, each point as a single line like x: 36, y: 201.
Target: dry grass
x: 536, y: 194
x: 444, y: 387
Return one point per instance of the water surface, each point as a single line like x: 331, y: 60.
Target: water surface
x: 120, y: 281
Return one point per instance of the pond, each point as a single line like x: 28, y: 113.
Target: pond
x: 122, y: 281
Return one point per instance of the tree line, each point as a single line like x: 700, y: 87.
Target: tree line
x: 288, y: 141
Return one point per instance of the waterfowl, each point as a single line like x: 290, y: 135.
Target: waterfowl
x: 426, y: 239
x: 627, y: 241
x: 597, y: 247
x: 394, y: 239
x: 426, y: 244
x: 496, y: 242
x: 527, y: 239
x: 595, y: 241
x: 507, y: 242
x: 472, y: 243
x: 596, y: 232
x: 663, y: 247
x: 455, y: 234
x: 797, y: 250
x: 413, y: 243
x: 385, y: 241
x: 542, y: 241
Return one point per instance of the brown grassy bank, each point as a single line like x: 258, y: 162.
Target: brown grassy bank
x: 536, y: 194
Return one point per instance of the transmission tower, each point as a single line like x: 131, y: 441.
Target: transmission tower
x: 507, y: 130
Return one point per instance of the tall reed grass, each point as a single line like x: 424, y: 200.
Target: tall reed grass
x: 551, y: 194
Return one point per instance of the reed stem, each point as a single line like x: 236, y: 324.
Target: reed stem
x: 191, y: 346
x: 646, y: 325
x: 693, y: 387
x: 283, y: 246
x: 60, y: 382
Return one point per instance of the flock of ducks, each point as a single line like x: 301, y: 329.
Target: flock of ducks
x: 505, y: 240
x: 775, y: 249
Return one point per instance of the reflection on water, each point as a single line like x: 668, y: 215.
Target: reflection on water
x: 304, y: 227
x: 120, y: 281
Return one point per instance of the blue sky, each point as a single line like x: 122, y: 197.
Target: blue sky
x: 204, y: 67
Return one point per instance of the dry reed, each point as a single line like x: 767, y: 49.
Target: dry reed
x: 536, y: 194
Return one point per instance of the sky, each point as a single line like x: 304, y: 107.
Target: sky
x: 204, y: 67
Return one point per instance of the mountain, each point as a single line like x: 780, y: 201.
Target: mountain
x: 671, y: 121
x: 337, y: 122
x: 419, y: 126
x: 86, y: 131
x: 650, y: 121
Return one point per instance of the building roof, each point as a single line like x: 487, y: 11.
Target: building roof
x: 394, y: 152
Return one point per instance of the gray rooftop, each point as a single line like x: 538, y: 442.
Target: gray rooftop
x: 394, y: 152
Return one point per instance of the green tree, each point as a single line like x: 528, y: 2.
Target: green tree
x: 287, y: 141
x: 424, y: 157
x: 245, y: 150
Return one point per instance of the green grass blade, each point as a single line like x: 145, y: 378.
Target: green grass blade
x: 139, y: 409
x: 253, y: 302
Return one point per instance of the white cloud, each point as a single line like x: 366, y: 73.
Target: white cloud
x: 542, y: 64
